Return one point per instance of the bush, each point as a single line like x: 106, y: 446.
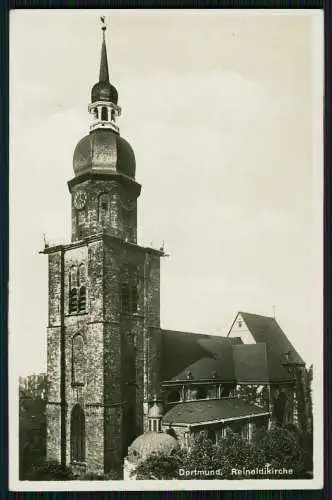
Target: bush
x: 281, y: 448
x: 160, y: 466
x: 113, y: 475
x: 284, y: 447
x: 32, y: 432
x: 49, y: 471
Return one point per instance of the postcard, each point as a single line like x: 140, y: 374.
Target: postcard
x: 166, y: 250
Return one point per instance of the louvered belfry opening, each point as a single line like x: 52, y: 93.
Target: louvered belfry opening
x: 77, y: 289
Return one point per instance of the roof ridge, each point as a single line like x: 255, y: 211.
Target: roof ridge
x: 194, y: 333
x: 258, y: 315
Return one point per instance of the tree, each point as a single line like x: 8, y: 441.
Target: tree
x: 282, y: 447
x: 160, y: 466
x: 300, y: 397
x: 233, y: 452
x: 32, y: 423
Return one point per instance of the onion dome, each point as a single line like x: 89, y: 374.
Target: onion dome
x: 104, y: 151
x: 149, y: 443
x: 104, y: 90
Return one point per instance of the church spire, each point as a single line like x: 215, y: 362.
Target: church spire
x: 103, y: 73
x: 104, y: 107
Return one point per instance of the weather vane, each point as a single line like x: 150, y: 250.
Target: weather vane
x: 103, y: 24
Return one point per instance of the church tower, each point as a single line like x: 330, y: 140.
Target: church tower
x: 103, y: 336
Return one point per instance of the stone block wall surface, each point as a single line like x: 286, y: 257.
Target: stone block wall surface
x: 53, y: 436
x: 120, y: 219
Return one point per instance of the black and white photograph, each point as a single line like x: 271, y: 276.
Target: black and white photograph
x: 166, y: 249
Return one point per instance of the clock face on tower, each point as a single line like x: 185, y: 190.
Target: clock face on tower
x: 80, y: 199
x: 128, y: 203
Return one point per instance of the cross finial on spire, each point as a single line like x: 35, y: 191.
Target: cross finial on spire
x: 103, y: 24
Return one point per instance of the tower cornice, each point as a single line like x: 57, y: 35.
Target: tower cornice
x: 100, y: 176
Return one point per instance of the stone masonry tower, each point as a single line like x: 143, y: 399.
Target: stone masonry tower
x: 103, y: 336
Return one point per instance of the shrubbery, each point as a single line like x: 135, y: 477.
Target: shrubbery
x: 49, y: 471
x: 281, y: 448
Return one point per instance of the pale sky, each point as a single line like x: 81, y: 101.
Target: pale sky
x: 225, y: 122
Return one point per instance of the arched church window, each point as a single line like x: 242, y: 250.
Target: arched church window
x: 104, y: 114
x: 103, y: 207
x: 77, y: 434
x: 78, y: 360
x: 113, y: 115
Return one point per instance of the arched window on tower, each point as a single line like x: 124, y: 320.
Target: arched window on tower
x: 73, y: 284
x: 104, y: 114
x: 77, y: 434
x: 78, y: 360
x: 103, y: 207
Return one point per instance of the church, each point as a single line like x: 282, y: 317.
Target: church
x: 119, y: 385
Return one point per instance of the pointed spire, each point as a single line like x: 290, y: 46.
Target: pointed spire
x: 103, y: 73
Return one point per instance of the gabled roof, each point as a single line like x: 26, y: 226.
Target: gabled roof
x: 210, y: 411
x: 205, y: 356
x: 266, y: 329
x: 256, y: 363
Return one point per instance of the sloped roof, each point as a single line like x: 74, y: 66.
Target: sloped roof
x: 210, y: 410
x: 202, y: 355
x: 256, y: 363
x: 266, y: 329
